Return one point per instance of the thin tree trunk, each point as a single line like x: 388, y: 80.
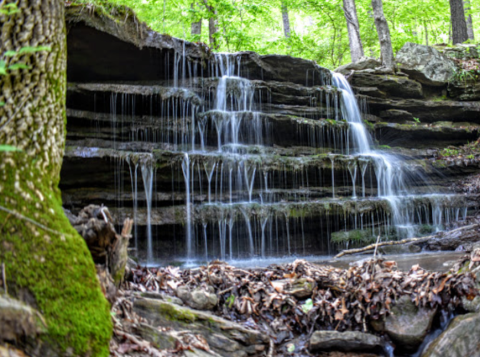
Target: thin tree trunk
x: 459, y: 25
x: 470, y: 33
x: 286, y: 20
x: 356, y: 47
x: 46, y: 261
x: 196, y: 26
x: 381, y: 24
x: 426, y: 32
x: 212, y: 25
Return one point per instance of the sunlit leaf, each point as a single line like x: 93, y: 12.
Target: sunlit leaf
x: 5, y: 148
x: 10, y: 53
x: 3, y: 70
x: 307, y: 306
x: 16, y: 66
x: 29, y: 49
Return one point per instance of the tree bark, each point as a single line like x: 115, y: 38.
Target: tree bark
x: 383, y: 32
x: 470, y: 33
x: 196, y: 26
x: 286, y: 20
x: 48, y: 264
x: 212, y: 25
x: 459, y: 25
x: 356, y: 47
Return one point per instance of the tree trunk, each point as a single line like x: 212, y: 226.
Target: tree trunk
x: 196, y: 26
x: 212, y: 26
x: 356, y: 48
x: 47, y: 263
x: 286, y: 20
x: 426, y: 32
x: 459, y: 25
x: 381, y: 24
x: 470, y: 33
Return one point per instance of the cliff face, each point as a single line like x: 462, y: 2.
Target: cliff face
x: 266, y: 168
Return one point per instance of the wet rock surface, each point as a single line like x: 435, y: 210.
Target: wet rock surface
x: 349, y: 341
x: 225, y: 337
x: 407, y: 325
x: 459, y: 339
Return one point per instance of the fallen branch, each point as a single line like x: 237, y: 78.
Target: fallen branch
x: 404, y: 241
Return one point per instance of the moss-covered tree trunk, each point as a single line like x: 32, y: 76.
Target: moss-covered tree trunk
x: 47, y: 263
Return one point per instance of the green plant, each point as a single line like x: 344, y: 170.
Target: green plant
x: 449, y: 152
x: 230, y: 300
x: 307, y: 306
x: 416, y: 120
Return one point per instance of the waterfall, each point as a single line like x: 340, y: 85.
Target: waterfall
x: 147, y: 175
x: 255, y: 169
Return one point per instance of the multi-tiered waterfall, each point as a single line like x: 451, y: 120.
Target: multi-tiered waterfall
x: 221, y: 159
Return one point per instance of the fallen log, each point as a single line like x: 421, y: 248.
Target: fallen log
x: 404, y: 241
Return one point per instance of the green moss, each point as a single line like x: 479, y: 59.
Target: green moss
x: 56, y: 269
x: 174, y: 313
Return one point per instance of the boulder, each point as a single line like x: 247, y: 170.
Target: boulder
x: 224, y: 337
x: 407, y: 325
x: 200, y: 299
x: 361, y: 64
x: 19, y: 321
x: 460, y: 339
x: 349, y: 341
x: 425, y: 64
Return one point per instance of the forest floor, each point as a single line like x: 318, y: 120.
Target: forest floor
x: 286, y: 303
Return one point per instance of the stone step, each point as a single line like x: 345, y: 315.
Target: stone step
x: 253, y: 128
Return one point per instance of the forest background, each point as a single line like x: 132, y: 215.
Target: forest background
x: 311, y: 29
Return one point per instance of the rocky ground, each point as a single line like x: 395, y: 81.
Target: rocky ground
x: 296, y: 309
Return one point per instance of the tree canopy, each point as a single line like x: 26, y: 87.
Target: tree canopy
x: 318, y: 29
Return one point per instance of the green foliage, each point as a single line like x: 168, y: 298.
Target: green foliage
x: 416, y: 120
x: 462, y: 75
x: 318, y: 27
x: 449, y: 152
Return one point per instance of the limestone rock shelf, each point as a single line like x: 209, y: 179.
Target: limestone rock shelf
x: 438, y: 134
x: 147, y: 55
x: 276, y: 129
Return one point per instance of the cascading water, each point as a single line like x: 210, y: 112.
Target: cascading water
x: 389, y: 171
x: 251, y: 175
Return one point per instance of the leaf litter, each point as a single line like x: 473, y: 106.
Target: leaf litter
x: 291, y: 300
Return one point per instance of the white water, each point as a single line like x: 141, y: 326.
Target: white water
x: 388, y: 169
